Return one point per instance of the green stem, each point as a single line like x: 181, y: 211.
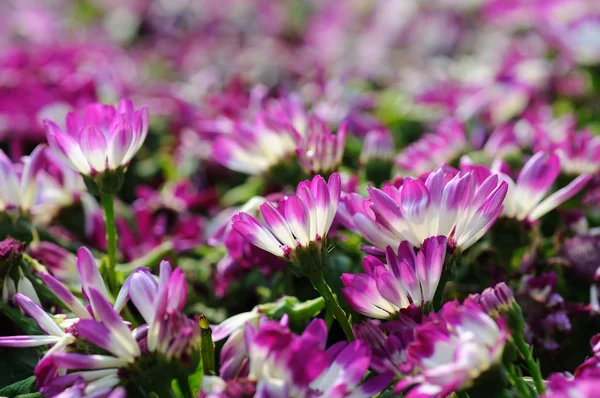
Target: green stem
x: 318, y: 281
x: 184, y: 387
x: 532, y: 365
x: 461, y: 394
x: 516, y: 380
x: 108, y: 202
x: 207, y: 347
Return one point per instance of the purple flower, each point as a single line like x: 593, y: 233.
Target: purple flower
x: 60, y: 262
x: 167, y: 334
x: 378, y: 145
x: 562, y: 386
x: 406, y: 279
x: 458, y: 205
x: 524, y: 197
x: 320, y: 152
x: 103, y: 139
x: 256, y: 148
x: 273, y: 353
x: 19, y: 182
x: 300, y: 220
x: 448, y: 142
x: 579, y: 153
x: 452, y: 350
x: 494, y: 300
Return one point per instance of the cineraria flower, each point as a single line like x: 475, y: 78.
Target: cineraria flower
x: 494, y: 300
x: 406, y: 279
x: 524, y: 197
x: 115, y: 355
x: 274, y: 368
x: 104, y: 139
x: 452, y: 350
x: 579, y: 152
x: 320, y: 152
x: 60, y: 262
x: 389, y: 341
x: 378, y: 145
x: 257, y: 148
x: 299, y: 225
x: 458, y: 205
x: 563, y: 386
x: 19, y: 181
x: 442, y: 146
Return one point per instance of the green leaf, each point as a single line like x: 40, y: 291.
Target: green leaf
x: 21, y: 388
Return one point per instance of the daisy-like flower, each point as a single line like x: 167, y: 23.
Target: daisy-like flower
x: 274, y: 368
x: 378, y: 146
x: 103, y: 140
x: 458, y: 205
x: 298, y: 227
x: 406, y: 279
x: 452, y: 350
x: 257, y: 148
x: 448, y: 142
x: 114, y: 354
x: 525, y: 197
x: 579, y: 153
x: 19, y: 181
x: 320, y: 151
x: 564, y: 386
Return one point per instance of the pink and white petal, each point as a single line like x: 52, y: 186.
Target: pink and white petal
x: 304, y: 193
x: 9, y: 195
x: 68, y: 150
x: 298, y: 219
x: 104, y: 311
x: 71, y: 361
x: 119, y: 144
x: 65, y: 296
x: 43, y: 320
x: 277, y: 224
x: 559, y: 197
x: 232, y: 324
x: 142, y: 291
x: 27, y: 341
x: 251, y: 230
x: 93, y: 146
x: 32, y: 166
x: 89, y: 273
x: 98, y: 334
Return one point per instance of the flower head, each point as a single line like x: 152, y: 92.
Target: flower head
x: 299, y: 226
x: 453, y: 349
x: 273, y: 365
x: 406, y: 279
x: 525, y: 197
x: 445, y: 144
x: 320, y: 152
x: 103, y: 139
x: 458, y: 205
x: 378, y: 145
x: 257, y: 148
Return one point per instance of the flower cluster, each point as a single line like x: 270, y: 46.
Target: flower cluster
x: 300, y: 199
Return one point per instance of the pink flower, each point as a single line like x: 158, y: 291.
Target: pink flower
x: 452, y: 350
x: 406, y: 279
x: 104, y: 138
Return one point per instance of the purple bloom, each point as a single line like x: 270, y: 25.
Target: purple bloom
x: 320, y: 152
x: 19, y: 182
x: 406, y: 279
x: 448, y: 142
x: 453, y: 349
x: 299, y: 221
x: 104, y: 138
x: 458, y: 205
x: 256, y: 148
x: 561, y: 386
x: 60, y: 262
x: 494, y: 300
x: 273, y: 353
x: 378, y: 145
x: 524, y: 197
